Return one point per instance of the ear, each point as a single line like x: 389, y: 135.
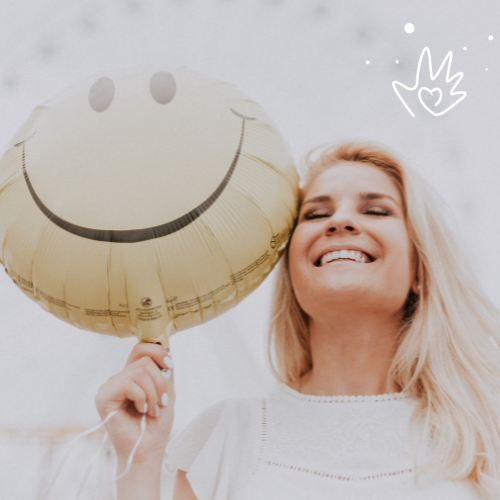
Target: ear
x: 415, y: 287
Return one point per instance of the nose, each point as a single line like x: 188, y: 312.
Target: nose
x: 342, y: 222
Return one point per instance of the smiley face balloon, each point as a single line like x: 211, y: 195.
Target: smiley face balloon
x: 145, y: 201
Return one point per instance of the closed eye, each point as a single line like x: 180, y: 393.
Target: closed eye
x: 371, y: 211
x: 315, y: 215
x: 377, y: 211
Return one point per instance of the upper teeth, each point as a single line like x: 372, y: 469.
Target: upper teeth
x: 343, y: 254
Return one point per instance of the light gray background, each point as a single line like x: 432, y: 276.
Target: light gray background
x: 305, y: 62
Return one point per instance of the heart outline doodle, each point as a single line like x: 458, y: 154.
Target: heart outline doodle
x: 458, y: 76
x: 431, y: 92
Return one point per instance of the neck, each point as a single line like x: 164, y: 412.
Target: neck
x: 351, y: 356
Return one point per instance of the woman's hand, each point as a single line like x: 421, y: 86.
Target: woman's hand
x: 145, y: 385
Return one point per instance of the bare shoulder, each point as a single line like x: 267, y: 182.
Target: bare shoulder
x: 182, y: 488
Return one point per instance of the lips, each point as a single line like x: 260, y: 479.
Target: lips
x: 345, y: 249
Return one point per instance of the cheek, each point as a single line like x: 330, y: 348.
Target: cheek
x: 401, y: 266
x: 293, y: 252
x: 297, y: 259
x: 296, y: 240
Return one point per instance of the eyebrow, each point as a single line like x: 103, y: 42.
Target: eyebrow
x: 375, y: 196
x: 362, y: 196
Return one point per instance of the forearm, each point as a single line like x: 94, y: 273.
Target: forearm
x: 142, y: 482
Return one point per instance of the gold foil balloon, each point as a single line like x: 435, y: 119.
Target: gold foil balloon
x: 145, y: 201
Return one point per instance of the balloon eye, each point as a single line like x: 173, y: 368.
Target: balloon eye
x: 162, y: 87
x: 101, y: 94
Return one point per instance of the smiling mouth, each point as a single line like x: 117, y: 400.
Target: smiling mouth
x: 343, y: 256
x: 135, y: 235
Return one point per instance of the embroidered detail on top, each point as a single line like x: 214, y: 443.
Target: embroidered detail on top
x: 263, y: 430
x: 338, y: 477
x: 344, y: 399
x: 264, y: 420
x: 263, y: 435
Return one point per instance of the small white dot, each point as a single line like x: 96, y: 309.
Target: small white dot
x: 465, y: 48
x: 397, y: 62
x: 486, y: 69
x: 367, y: 62
x: 490, y: 37
x: 409, y: 28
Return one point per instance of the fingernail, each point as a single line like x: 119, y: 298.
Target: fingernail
x: 145, y: 408
x: 157, y: 411
x: 166, y: 374
x: 164, y: 399
x: 168, y: 362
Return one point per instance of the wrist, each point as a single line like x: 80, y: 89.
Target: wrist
x: 141, y: 456
x: 151, y: 460
x: 143, y: 480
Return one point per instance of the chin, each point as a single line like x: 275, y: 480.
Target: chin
x: 345, y: 287
x: 324, y: 297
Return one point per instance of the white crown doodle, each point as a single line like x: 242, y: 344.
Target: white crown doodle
x: 449, y: 79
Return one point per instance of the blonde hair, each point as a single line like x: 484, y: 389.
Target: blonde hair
x: 448, y: 353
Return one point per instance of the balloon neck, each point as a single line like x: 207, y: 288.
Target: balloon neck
x: 162, y: 338
x: 164, y: 341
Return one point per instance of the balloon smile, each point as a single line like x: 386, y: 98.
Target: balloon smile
x: 136, y: 235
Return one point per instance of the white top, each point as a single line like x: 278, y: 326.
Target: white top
x: 293, y: 446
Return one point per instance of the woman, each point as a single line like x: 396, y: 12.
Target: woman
x: 385, y: 347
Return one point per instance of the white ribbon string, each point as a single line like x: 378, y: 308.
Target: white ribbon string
x: 89, y: 470
x: 87, y: 474
x: 137, y: 443
x: 70, y: 448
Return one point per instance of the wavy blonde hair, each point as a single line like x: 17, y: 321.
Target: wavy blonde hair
x: 447, y: 356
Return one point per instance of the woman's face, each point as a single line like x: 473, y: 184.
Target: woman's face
x: 351, y: 247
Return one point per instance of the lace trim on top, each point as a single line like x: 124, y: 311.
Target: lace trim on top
x: 337, y: 476
x: 342, y: 399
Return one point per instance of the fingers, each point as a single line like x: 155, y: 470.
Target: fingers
x: 152, y: 380
x: 141, y: 381
x: 143, y: 378
x: 137, y: 395
x: 155, y: 356
x: 168, y: 375
x: 156, y: 352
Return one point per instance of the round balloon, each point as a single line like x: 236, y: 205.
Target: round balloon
x: 145, y: 201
